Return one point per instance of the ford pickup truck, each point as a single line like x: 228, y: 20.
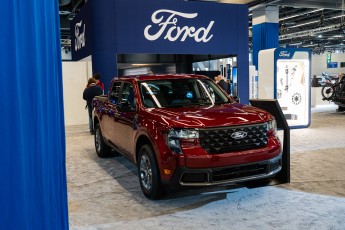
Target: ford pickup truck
x: 184, y: 131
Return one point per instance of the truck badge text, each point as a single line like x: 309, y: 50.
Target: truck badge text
x: 79, y: 36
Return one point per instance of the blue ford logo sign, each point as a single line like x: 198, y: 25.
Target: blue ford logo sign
x: 284, y: 54
x: 239, y: 135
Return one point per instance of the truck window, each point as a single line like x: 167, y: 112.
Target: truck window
x: 114, y: 93
x: 127, y: 96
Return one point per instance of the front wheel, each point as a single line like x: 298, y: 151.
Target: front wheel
x: 102, y: 149
x: 149, y: 176
x: 327, y: 92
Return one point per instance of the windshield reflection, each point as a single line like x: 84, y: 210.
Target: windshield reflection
x: 180, y: 93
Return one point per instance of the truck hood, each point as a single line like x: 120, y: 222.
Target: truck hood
x: 210, y: 116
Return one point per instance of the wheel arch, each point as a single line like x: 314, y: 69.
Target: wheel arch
x: 95, y: 121
x: 142, y: 140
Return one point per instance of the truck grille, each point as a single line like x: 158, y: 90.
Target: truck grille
x: 236, y: 138
x: 240, y: 171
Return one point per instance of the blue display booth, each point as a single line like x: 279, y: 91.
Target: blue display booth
x: 109, y: 28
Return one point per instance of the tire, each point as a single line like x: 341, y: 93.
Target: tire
x: 341, y: 109
x: 102, y: 149
x: 149, y: 176
x: 327, y: 92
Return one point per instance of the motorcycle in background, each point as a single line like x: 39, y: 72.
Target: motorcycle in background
x: 331, y: 92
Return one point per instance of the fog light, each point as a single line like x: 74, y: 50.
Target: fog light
x: 167, y: 171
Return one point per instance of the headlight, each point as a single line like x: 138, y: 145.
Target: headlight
x: 178, y: 138
x: 272, y: 127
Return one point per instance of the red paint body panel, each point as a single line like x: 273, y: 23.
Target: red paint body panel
x: 154, y: 124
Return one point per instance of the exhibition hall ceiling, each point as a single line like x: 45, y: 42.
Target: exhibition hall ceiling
x: 315, y: 24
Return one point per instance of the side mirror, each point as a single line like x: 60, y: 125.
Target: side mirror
x: 237, y: 99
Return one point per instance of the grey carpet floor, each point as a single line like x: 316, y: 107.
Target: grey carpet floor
x: 105, y: 193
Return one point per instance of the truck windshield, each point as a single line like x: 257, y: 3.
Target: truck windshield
x: 180, y: 92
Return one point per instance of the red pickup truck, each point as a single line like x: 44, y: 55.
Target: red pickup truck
x: 182, y: 131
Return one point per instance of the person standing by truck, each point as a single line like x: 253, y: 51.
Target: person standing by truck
x: 89, y: 93
x: 223, y: 84
x: 97, y: 76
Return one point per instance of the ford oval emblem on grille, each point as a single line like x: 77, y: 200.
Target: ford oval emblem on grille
x: 239, y: 135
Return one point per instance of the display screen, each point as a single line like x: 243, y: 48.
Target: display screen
x: 293, y: 90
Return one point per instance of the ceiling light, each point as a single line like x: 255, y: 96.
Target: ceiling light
x: 303, y: 24
x: 319, y: 36
x: 308, y: 45
x: 296, y: 15
x: 312, y: 22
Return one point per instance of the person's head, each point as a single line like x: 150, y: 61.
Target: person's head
x: 340, y: 75
x: 220, y: 77
x: 91, y: 81
x: 97, y: 76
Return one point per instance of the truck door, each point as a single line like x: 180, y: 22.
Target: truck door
x: 109, y: 112
x: 126, y: 120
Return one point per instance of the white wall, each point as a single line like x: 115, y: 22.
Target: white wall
x: 75, y: 76
x: 319, y: 64
x: 66, y: 55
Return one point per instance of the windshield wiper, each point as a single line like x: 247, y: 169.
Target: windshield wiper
x: 177, y: 106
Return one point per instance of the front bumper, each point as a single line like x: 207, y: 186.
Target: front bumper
x: 225, y: 175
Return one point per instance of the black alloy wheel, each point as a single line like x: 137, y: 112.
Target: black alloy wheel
x: 327, y: 92
x: 149, y: 176
x: 102, y: 149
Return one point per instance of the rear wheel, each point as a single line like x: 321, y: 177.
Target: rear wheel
x: 102, y: 149
x: 149, y: 176
x: 327, y: 92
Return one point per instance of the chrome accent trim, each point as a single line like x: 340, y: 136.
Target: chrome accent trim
x: 233, y: 127
x: 239, y: 135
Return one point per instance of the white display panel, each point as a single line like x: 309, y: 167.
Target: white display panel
x: 284, y: 74
x: 293, y: 90
x: 266, y: 74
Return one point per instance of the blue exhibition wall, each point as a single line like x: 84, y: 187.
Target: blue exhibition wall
x: 82, y: 33
x: 166, y: 27
x: 33, y: 189
x: 177, y: 27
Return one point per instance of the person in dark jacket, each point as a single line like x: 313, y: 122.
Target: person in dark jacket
x: 315, y: 82
x: 223, y: 84
x: 97, y: 76
x: 341, y: 83
x: 89, y: 93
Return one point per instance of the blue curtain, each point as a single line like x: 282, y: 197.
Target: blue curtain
x: 265, y: 36
x: 33, y: 190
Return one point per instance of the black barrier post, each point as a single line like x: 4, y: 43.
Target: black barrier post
x: 272, y: 106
